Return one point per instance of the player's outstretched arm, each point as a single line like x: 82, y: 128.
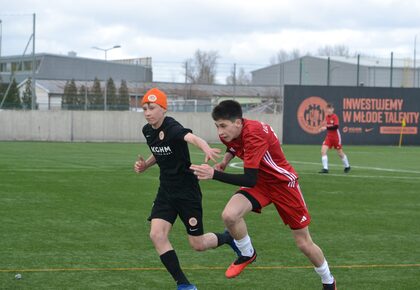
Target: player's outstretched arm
x: 210, y: 153
x: 221, y: 166
x: 205, y: 171
x: 142, y: 165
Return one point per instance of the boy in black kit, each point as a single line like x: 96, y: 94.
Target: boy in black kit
x: 179, y: 192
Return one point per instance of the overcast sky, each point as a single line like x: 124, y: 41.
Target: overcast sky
x: 242, y: 31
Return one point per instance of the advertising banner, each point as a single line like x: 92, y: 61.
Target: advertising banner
x: 368, y: 116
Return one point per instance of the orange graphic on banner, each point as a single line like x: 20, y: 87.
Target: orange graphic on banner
x: 397, y: 130
x: 311, y: 114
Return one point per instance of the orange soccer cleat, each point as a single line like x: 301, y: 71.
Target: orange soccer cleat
x: 239, y: 265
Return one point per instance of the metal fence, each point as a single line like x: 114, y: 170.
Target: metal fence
x: 258, y: 87
x: 357, y: 70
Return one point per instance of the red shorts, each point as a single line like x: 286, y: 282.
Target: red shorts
x: 288, y: 201
x: 333, y: 142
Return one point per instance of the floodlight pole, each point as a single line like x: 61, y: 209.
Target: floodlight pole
x: 1, y: 33
x: 33, y: 64
x: 106, y: 50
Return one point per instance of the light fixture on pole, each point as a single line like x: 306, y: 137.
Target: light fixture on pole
x: 105, y: 50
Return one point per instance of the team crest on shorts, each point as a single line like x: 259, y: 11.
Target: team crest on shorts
x: 193, y: 222
x: 161, y: 135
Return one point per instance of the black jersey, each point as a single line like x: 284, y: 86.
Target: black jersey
x: 171, y: 153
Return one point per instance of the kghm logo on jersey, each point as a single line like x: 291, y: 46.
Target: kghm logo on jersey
x: 161, y: 150
x: 311, y: 114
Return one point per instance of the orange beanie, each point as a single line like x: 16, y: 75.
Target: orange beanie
x: 156, y: 96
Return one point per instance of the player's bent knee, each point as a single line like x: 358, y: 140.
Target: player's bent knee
x: 158, y: 236
x: 229, y: 217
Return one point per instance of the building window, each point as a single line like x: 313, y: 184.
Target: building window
x: 5, y: 67
x: 15, y: 66
x: 27, y: 66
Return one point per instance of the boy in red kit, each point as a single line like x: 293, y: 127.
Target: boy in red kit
x: 267, y: 178
x: 332, y: 140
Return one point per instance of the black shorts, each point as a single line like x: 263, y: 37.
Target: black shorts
x: 189, y: 210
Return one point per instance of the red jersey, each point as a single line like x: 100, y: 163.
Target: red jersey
x: 331, y: 121
x: 259, y: 148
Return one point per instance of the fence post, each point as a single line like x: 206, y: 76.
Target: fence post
x: 392, y: 66
x: 186, y: 80
x: 300, y: 71
x: 414, y: 61
x: 358, y: 70
x: 328, y: 70
x: 279, y: 73
x: 234, y: 80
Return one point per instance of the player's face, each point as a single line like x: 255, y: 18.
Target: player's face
x: 229, y: 130
x: 154, y: 114
x: 330, y: 111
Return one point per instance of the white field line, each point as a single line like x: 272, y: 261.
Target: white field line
x: 239, y: 165
x: 351, y: 175
x: 362, y: 167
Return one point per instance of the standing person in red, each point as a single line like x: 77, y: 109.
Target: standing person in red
x: 332, y: 140
x: 267, y: 178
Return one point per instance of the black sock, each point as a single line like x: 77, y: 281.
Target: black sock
x: 171, y: 262
x: 223, y: 238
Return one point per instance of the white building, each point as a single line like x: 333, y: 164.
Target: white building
x: 339, y: 71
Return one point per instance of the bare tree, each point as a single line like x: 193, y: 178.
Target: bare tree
x: 336, y: 50
x: 284, y: 55
x: 240, y: 78
x: 295, y: 53
x: 202, y: 68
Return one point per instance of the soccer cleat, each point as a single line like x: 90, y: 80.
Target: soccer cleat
x: 186, y: 287
x: 323, y: 170
x: 239, y: 265
x: 232, y: 244
x: 329, y: 286
x: 347, y: 169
